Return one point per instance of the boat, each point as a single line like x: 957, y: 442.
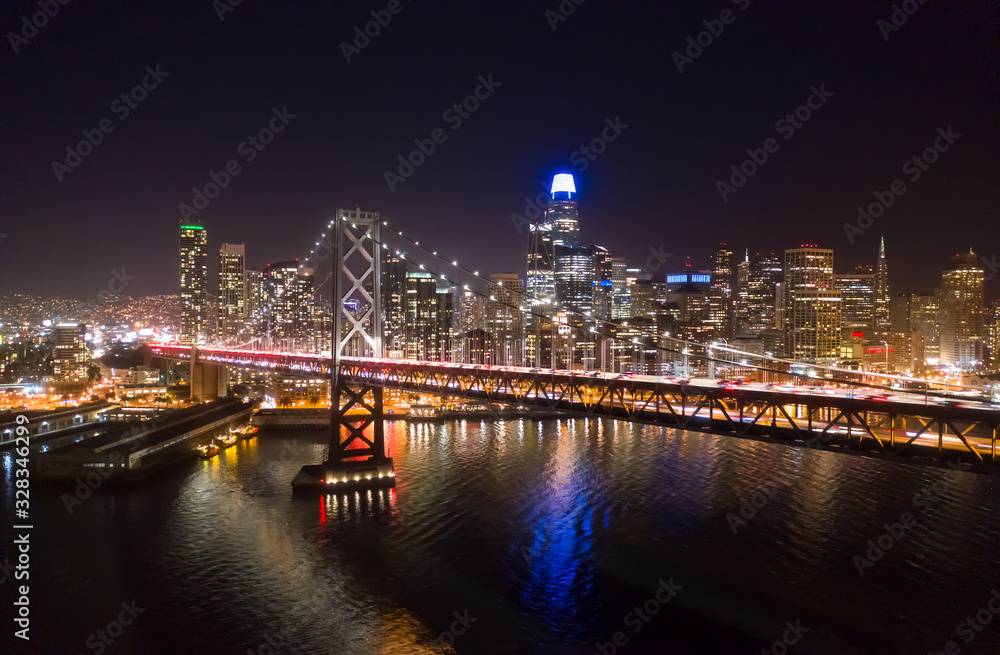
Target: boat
x: 227, y: 441
x: 208, y: 450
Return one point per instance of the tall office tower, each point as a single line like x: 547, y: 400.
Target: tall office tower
x: 919, y: 313
x: 255, y: 302
x: 741, y: 297
x: 993, y: 336
x: 858, y: 309
x: 69, y: 352
x: 961, y: 317
x: 575, y: 281
x: 288, y: 317
x: 812, y: 306
x: 232, y: 293
x: 504, y: 318
x: 562, y: 213
x: 541, y: 279
x: 194, y: 284
x: 882, y: 318
x: 720, y: 296
x: 393, y: 287
x: 429, y: 320
x: 764, y: 274
x: 621, y: 306
x: 603, y: 283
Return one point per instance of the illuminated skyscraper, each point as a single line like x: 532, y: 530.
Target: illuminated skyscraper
x: 765, y: 273
x: 289, y: 320
x: 562, y: 212
x: 720, y: 295
x: 541, y: 280
x: 393, y: 288
x: 812, y: 306
x: 962, y: 328
x: 69, y: 352
x: 194, y: 284
x: 504, y: 318
x: 858, y: 310
x: 881, y: 293
x: 603, y: 283
x: 233, y: 304
x: 429, y: 318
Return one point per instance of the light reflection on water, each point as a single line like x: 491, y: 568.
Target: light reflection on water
x: 547, y: 532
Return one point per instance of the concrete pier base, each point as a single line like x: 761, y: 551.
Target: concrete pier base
x: 335, y: 477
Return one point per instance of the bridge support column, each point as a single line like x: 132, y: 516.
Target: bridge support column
x: 208, y: 381
x: 354, y: 460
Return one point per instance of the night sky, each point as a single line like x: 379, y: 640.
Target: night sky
x: 656, y: 183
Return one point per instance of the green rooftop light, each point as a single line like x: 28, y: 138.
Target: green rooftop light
x: 192, y: 227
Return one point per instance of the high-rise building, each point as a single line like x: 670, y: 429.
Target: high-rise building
x: 603, y: 283
x: 918, y: 314
x: 720, y: 295
x: 233, y: 303
x: 541, y: 280
x: 429, y: 319
x: 812, y: 306
x: 255, y: 303
x: 69, y: 352
x: 993, y: 335
x: 288, y: 318
x: 961, y: 314
x: 393, y: 289
x: 858, y: 309
x: 881, y: 293
x: 562, y: 212
x: 504, y: 318
x: 621, y: 304
x: 765, y: 273
x: 574, y: 273
x: 194, y: 284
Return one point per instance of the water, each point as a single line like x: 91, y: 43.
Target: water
x: 518, y: 536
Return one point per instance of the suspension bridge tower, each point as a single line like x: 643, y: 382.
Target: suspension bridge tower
x: 355, y: 460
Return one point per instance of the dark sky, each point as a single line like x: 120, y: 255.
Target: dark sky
x: 654, y: 184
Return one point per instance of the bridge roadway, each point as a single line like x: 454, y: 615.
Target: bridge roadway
x: 908, y: 426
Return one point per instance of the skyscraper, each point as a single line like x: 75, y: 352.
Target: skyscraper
x: 720, y: 295
x: 858, y: 310
x: 961, y: 317
x: 232, y: 292
x: 69, y: 352
x: 603, y: 283
x: 882, y: 319
x: 194, y: 284
x: 562, y: 212
x: 429, y: 318
x: 765, y: 273
x: 504, y: 318
x: 812, y: 306
x: 541, y: 280
x: 393, y: 288
x: 288, y: 316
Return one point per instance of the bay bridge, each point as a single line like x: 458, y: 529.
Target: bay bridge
x: 815, y: 406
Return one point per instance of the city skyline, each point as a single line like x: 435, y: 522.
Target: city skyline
x: 648, y: 164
